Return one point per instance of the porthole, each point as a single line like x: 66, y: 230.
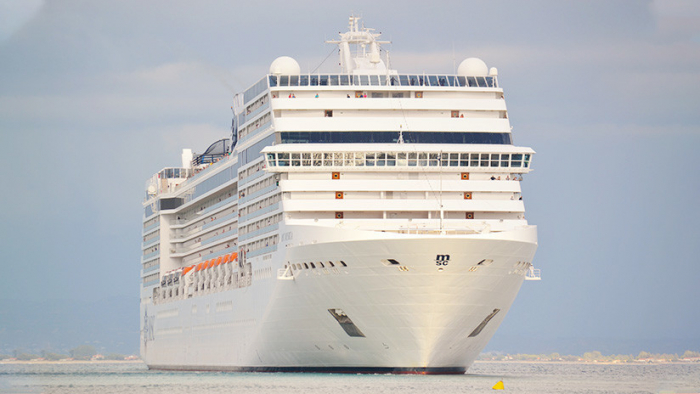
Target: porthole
x: 306, y: 266
x: 343, y: 263
x: 330, y: 263
x: 312, y: 265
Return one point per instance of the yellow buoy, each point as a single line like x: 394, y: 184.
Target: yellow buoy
x: 499, y: 385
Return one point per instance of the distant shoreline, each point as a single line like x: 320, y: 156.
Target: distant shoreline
x: 71, y: 362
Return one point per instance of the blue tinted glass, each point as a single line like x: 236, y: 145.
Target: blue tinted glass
x: 403, y: 79
x: 324, y: 80
x: 392, y: 137
x: 374, y: 80
x: 364, y: 80
x: 461, y: 81
x: 273, y: 81
x: 471, y: 81
x: 284, y: 80
x: 442, y: 80
x: 303, y: 80
x: 393, y: 81
x: 344, y: 80
x: 413, y: 80
x: 489, y: 82
x: 481, y: 81
x: 433, y: 80
x: 294, y: 80
x: 334, y: 80
x: 451, y: 80
x: 382, y: 80
x: 314, y: 80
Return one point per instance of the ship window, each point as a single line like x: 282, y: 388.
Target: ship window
x: 471, y: 81
x: 454, y: 159
x: 306, y: 159
x: 401, y: 159
x: 317, y: 159
x: 295, y: 160
x: 464, y: 159
x: 433, y: 160
x: 451, y: 80
x: 273, y: 81
x: 293, y: 80
x: 412, y: 159
x: 374, y: 80
x: 328, y: 159
x: 312, y: 265
x: 334, y: 80
x: 343, y: 263
x: 382, y: 80
x: 284, y: 80
x: 490, y: 82
x: 433, y: 80
x: 391, y: 160
x: 344, y: 80
x: 413, y: 80
x: 397, y: 95
x: 323, y: 80
x: 455, y: 114
x: 331, y: 264
x: 381, y: 159
x: 504, y: 160
x: 303, y: 80
x: 443, y: 80
x: 392, y: 261
x: 306, y: 266
x: 329, y: 113
x: 516, y: 160
x: 349, y: 159
x: 364, y: 80
x: 337, y: 159
x: 313, y: 81
x: 403, y: 79
x: 481, y: 81
x: 320, y: 264
x: 526, y: 164
x: 462, y: 81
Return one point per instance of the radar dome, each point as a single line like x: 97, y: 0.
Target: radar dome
x: 285, y: 65
x: 473, y: 67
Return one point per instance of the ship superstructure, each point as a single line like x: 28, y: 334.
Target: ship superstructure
x: 364, y: 221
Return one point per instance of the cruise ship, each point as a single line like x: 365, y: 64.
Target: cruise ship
x: 364, y: 221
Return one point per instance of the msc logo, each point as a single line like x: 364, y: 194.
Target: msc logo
x: 442, y: 259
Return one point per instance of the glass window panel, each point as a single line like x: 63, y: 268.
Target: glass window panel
x: 403, y: 79
x: 328, y: 159
x: 374, y: 80
x: 413, y: 80
x: 481, y: 81
x: 337, y: 159
x: 359, y: 159
x: 303, y: 80
x: 505, y: 158
x: 401, y: 159
x: 334, y: 80
x: 391, y: 159
x: 442, y: 80
x: 323, y: 80
x: 526, y: 164
x: 393, y: 81
x: 461, y: 81
x: 295, y: 156
x: 433, y: 80
x: 382, y: 80
x: 490, y: 82
x: 284, y: 80
x: 451, y: 80
x: 412, y: 155
x: 369, y: 159
x: 474, y: 160
x: 433, y: 160
x: 364, y: 80
x: 313, y: 80
x: 423, y: 159
x: 344, y: 80
x: 293, y: 80
x: 317, y: 159
x: 484, y: 160
x: 471, y: 81
x: 349, y: 158
x: 273, y: 81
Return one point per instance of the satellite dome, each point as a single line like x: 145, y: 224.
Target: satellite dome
x: 285, y: 65
x: 473, y: 67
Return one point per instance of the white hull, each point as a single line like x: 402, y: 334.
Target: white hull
x: 414, y: 319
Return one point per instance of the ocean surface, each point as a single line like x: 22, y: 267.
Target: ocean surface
x: 134, y: 378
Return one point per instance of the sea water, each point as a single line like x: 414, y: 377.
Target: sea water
x: 526, y: 378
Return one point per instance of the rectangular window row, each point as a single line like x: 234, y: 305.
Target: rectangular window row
x: 382, y: 80
x: 410, y: 159
x: 253, y: 127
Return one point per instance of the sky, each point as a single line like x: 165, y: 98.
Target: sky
x: 96, y: 96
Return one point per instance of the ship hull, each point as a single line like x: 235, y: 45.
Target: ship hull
x: 424, y: 304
